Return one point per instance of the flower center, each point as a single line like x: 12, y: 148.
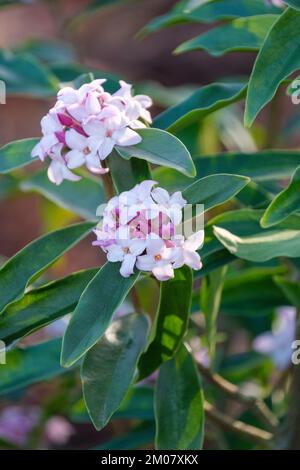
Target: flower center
x: 157, y: 257
x: 86, y: 151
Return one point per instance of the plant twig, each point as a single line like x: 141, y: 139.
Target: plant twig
x: 263, y: 438
x: 232, y: 391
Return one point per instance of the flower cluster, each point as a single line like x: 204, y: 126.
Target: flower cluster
x: 85, y: 124
x: 139, y: 229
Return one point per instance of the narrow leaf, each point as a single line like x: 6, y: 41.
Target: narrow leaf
x: 31, y: 261
x: 82, y: 198
x: 108, y: 368
x: 242, y: 34
x: 171, y: 321
x: 211, y: 294
x: 277, y: 60
x: 179, y: 405
x: 214, y: 190
x: 97, y: 304
x: 30, y: 365
x: 200, y: 104
x: 284, y: 204
x: 41, y: 306
x: 16, y: 154
x: 161, y: 148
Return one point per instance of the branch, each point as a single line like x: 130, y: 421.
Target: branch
x: 239, y: 428
x: 232, y: 391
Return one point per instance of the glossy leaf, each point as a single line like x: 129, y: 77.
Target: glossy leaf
x: 24, y: 75
x: 252, y: 292
x: 82, y: 198
x: 200, y: 104
x: 137, y: 404
x: 210, y: 12
x: 179, y: 410
x: 109, y: 367
x: 96, y: 306
x: 16, y: 154
x: 31, y: 261
x: 242, y: 236
x: 284, y: 204
x: 214, y: 190
x: 291, y: 289
x: 269, y: 165
x: 30, y: 365
x: 273, y: 64
x: 127, y: 173
x: 211, y: 295
x: 41, y: 306
x: 171, y: 321
x: 293, y: 3
x: 161, y: 148
x: 242, y: 34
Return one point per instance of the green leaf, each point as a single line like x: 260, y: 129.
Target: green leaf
x: 213, y: 261
x: 127, y: 173
x: 171, y: 321
x: 270, y: 165
x: 137, y: 404
x: 108, y: 368
x: 254, y: 289
x: 277, y: 59
x: 293, y: 3
x: 179, y: 405
x: 200, y: 104
x: 242, y: 236
x: 97, y: 304
x: 82, y: 198
x: 291, y: 289
x: 31, y: 261
x: 211, y: 295
x: 242, y: 34
x: 210, y: 12
x: 24, y: 75
x: 287, y: 202
x: 161, y: 148
x: 47, y: 51
x: 214, y: 190
x: 30, y: 365
x: 16, y: 154
x: 41, y: 306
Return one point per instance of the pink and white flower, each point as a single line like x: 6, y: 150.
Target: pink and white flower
x: 86, y: 124
x: 138, y: 229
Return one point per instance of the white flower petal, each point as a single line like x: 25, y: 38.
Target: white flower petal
x: 125, y: 137
x: 161, y: 196
x: 75, y: 158
x: 127, y: 267
x: 163, y: 273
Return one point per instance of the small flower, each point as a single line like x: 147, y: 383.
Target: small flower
x: 278, y: 343
x: 158, y: 259
x: 86, y: 124
x: 138, y: 229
